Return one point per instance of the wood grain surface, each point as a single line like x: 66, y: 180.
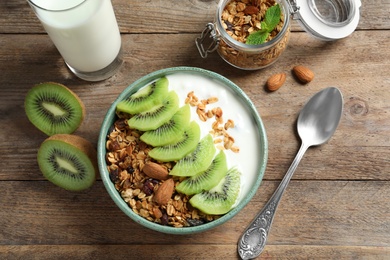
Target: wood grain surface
x: 336, y: 206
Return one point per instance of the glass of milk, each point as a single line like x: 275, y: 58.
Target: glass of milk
x: 85, y: 33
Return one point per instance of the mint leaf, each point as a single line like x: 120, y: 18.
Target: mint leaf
x: 272, y: 16
x: 271, y: 19
x: 256, y: 38
x: 265, y: 27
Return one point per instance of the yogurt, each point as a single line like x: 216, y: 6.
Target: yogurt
x: 86, y: 34
x: 245, y: 132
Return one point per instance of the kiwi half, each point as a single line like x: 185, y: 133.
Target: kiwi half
x: 198, y: 160
x: 54, y: 109
x: 157, y: 115
x: 206, y: 180
x: 145, y: 98
x: 171, y: 131
x: 68, y: 161
x: 175, y: 151
x: 220, y: 199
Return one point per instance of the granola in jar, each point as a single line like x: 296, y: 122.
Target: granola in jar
x: 236, y: 21
x: 239, y: 19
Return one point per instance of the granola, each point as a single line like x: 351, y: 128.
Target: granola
x: 219, y: 128
x: 240, y: 18
x: 127, y: 156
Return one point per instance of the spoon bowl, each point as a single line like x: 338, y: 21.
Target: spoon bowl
x: 316, y: 124
x: 320, y: 117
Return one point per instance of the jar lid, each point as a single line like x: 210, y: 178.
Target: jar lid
x: 327, y: 20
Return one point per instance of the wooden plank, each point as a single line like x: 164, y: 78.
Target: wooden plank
x: 188, y: 251
x: 161, y: 16
x: 336, y: 206
x: 358, y: 150
x: 318, y: 213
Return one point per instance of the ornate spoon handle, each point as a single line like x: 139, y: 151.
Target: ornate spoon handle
x: 252, y: 241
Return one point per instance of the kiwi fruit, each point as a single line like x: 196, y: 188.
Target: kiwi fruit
x: 221, y: 198
x: 68, y: 161
x: 198, y: 160
x: 175, y: 151
x: 54, y: 109
x: 206, y: 180
x: 157, y: 115
x: 145, y: 98
x: 171, y: 131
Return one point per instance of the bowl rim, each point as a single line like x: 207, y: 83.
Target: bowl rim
x: 110, y: 118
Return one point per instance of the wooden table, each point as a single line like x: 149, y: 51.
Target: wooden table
x: 336, y: 207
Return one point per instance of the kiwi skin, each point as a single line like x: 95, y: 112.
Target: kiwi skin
x: 83, y: 146
x: 36, y: 119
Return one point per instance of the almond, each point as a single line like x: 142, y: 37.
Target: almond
x: 303, y: 74
x: 250, y: 9
x: 164, y: 192
x: 155, y: 171
x: 276, y: 81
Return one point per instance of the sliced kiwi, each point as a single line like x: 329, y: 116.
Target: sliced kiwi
x: 54, y: 109
x: 171, y: 131
x: 198, y: 160
x: 220, y: 199
x: 157, y: 115
x: 145, y: 98
x: 68, y: 161
x: 206, y: 180
x: 175, y: 151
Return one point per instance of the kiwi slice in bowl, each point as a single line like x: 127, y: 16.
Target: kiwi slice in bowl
x: 198, y: 160
x: 221, y: 198
x: 68, y: 161
x: 171, y: 131
x: 145, y: 98
x: 175, y: 151
x: 156, y: 116
x: 54, y: 109
x: 205, y: 180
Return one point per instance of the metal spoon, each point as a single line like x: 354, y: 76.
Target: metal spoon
x: 317, y: 122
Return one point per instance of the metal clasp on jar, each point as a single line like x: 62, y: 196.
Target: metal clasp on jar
x: 293, y: 6
x: 208, y: 40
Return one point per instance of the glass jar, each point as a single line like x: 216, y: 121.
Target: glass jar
x: 327, y: 20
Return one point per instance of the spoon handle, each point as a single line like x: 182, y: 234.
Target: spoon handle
x: 253, y: 240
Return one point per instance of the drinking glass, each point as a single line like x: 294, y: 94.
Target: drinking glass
x: 86, y: 34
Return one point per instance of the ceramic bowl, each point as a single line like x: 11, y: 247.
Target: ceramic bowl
x: 250, y: 138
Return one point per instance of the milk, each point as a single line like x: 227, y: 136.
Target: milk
x: 245, y: 131
x: 87, y: 36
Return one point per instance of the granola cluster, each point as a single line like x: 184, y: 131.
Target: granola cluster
x: 219, y: 128
x: 126, y: 158
x: 239, y: 19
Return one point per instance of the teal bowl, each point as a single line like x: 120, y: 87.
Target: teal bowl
x: 253, y: 150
